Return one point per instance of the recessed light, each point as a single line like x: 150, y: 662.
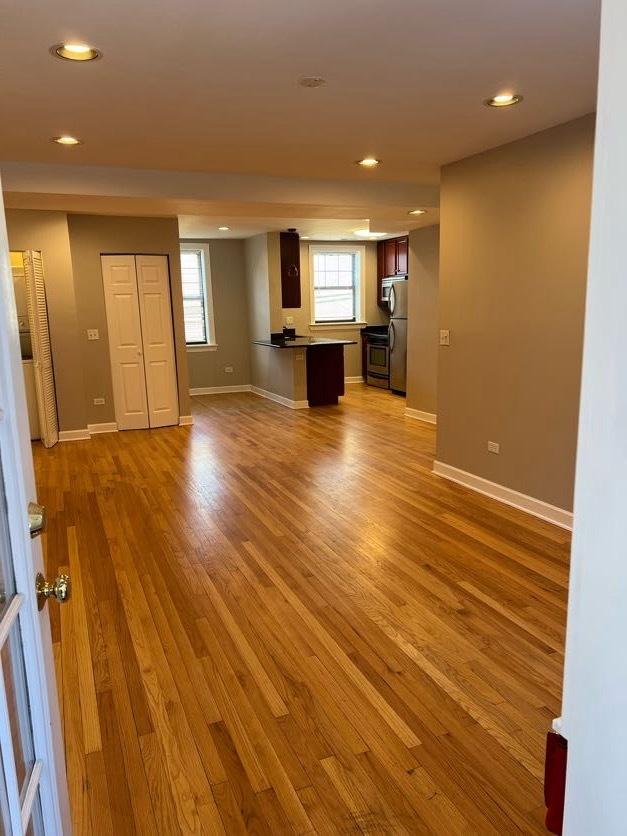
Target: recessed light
x: 305, y: 237
x: 366, y: 233
x: 312, y: 81
x: 66, y: 139
x: 503, y: 100
x: 76, y: 52
x: 369, y: 162
x: 417, y: 212
x: 224, y: 228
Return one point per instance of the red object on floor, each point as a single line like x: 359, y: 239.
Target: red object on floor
x: 555, y: 781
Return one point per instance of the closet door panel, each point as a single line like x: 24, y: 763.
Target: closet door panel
x: 125, y: 341
x: 153, y: 281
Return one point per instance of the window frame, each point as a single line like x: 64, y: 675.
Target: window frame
x: 205, y: 261
x: 360, y: 291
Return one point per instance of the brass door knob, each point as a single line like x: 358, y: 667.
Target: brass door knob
x: 60, y: 589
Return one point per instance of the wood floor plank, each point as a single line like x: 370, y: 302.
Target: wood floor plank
x: 283, y: 622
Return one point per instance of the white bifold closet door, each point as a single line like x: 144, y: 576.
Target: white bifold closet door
x: 141, y: 342
x: 42, y: 352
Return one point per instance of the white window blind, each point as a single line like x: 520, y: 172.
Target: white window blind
x: 336, y: 286
x: 196, y: 303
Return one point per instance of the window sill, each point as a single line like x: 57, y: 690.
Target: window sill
x: 208, y: 347
x: 336, y: 326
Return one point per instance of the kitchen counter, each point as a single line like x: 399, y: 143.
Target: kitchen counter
x: 302, y: 342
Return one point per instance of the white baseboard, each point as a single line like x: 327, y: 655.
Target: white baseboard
x: 186, y: 420
x: 96, y: 429
x: 74, y: 435
x: 419, y: 415
x: 557, y: 516
x: 271, y: 396
x: 358, y: 379
x: 220, y: 390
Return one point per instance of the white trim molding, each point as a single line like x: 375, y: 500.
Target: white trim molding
x: 186, y: 420
x: 419, y: 415
x: 337, y: 326
x: 271, y: 396
x: 220, y: 390
x: 96, y: 429
x: 192, y: 348
x: 543, y: 510
x: 74, y: 435
x: 357, y: 379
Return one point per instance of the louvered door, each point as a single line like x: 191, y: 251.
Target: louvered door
x: 42, y: 352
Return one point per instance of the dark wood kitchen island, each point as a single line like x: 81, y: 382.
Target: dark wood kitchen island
x: 324, y: 365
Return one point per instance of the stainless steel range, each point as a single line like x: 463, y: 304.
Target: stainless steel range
x: 378, y: 359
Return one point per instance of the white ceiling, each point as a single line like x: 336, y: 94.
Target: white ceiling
x: 201, y: 86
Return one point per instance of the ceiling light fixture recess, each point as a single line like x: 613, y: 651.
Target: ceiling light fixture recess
x: 366, y: 233
x: 75, y: 52
x: 312, y: 81
x: 224, y: 228
x: 66, y: 139
x: 369, y: 162
x: 417, y: 212
x: 503, y: 100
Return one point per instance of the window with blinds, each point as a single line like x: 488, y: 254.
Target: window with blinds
x: 196, y: 299
x: 335, y: 285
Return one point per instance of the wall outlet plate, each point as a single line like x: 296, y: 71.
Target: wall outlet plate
x: 228, y: 369
x: 445, y: 337
x: 494, y: 447
x: 99, y: 401
x: 93, y: 334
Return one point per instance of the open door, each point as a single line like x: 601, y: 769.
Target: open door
x: 33, y: 791
x: 42, y: 352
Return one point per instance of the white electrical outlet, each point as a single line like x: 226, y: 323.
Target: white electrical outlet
x: 289, y: 320
x: 494, y: 447
x: 93, y: 334
x: 445, y: 337
x: 99, y: 401
x: 228, y: 369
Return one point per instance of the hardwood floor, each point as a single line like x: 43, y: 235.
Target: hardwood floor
x: 282, y: 622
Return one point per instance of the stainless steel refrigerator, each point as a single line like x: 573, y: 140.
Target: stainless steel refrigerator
x: 398, y: 336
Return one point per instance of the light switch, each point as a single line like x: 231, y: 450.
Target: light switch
x: 445, y: 337
x: 93, y: 334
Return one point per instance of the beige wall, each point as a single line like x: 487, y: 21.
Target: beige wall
x: 282, y: 371
x: 373, y: 313
x: 513, y: 262
x: 257, y: 286
x: 228, y: 285
x: 48, y: 232
x: 422, y: 319
x: 93, y: 235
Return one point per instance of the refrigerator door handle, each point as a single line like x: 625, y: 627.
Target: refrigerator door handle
x: 391, y: 300
x: 392, y: 337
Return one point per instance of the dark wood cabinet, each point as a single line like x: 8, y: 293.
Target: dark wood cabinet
x: 392, y: 260
x: 389, y: 257
x: 290, y: 270
x: 402, y: 256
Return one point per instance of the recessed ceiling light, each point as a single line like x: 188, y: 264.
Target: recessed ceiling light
x: 312, y: 81
x: 369, y: 162
x: 503, y: 100
x: 417, y: 212
x: 66, y: 139
x: 305, y: 237
x: 76, y: 52
x: 224, y: 228
x: 366, y: 233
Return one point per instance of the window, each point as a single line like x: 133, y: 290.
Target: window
x: 197, y: 301
x: 336, y: 282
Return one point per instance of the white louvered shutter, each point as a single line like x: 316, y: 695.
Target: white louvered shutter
x: 42, y: 353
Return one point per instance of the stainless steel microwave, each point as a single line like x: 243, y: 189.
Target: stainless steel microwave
x: 386, y: 286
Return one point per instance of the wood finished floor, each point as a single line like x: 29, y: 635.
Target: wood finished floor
x: 282, y: 622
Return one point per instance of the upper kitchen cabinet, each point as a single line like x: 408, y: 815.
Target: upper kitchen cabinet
x: 290, y: 270
x: 392, y: 260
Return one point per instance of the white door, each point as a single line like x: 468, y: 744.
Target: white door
x: 42, y: 351
x: 33, y: 792
x: 125, y: 341
x: 153, y: 282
